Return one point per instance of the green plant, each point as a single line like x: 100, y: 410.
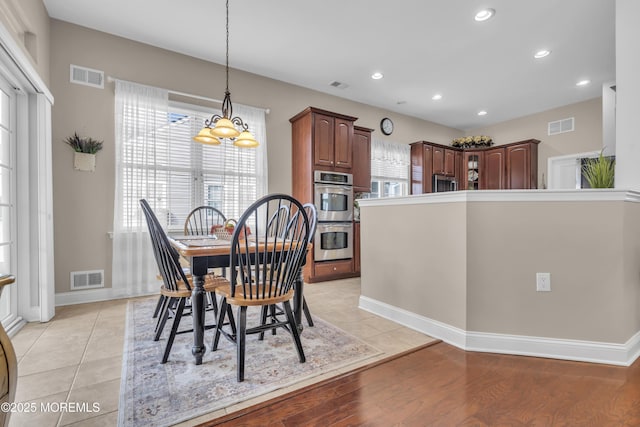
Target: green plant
x: 599, y: 172
x: 83, y: 144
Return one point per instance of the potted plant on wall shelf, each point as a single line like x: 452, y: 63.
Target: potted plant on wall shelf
x: 599, y: 172
x: 85, y: 150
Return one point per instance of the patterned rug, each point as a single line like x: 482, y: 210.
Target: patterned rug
x: 152, y: 394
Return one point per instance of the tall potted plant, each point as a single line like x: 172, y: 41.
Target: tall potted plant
x: 599, y: 172
x: 85, y: 150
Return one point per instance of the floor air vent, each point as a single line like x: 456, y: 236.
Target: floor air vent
x: 86, y: 76
x: 561, y: 126
x: 87, y: 279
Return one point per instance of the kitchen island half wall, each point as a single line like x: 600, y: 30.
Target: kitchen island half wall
x: 461, y: 266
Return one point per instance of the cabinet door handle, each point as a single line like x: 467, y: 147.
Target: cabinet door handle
x: 335, y: 268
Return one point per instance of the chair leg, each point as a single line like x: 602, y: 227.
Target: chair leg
x: 174, y: 329
x: 219, y: 323
x: 214, y: 303
x: 165, y: 301
x: 263, y: 320
x: 232, y: 322
x: 164, y: 315
x: 240, y: 340
x: 307, y: 313
x: 274, y: 317
x: 158, y: 306
x: 294, y: 330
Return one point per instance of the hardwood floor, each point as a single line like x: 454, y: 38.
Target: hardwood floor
x: 441, y: 385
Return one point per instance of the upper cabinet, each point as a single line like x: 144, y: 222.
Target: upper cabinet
x: 509, y: 166
x: 522, y: 164
x: 473, y: 165
x: 494, y: 169
x: 444, y: 161
x: 421, y: 168
x: 332, y: 141
x: 362, y: 159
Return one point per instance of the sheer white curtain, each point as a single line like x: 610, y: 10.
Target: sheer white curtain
x: 256, y: 119
x: 141, y: 115
x: 390, y: 160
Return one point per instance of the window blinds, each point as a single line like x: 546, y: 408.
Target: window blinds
x: 390, y: 161
x: 182, y: 174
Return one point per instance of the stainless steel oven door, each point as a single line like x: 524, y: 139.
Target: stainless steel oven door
x: 333, y: 241
x: 334, y: 202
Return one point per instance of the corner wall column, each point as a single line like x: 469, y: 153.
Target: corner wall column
x: 627, y: 94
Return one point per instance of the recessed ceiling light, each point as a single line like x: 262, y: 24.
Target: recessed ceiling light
x: 542, y: 53
x: 482, y: 113
x: 583, y: 82
x: 436, y: 97
x: 484, y: 14
x: 376, y: 76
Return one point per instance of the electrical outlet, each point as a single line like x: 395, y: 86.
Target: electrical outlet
x: 543, y: 282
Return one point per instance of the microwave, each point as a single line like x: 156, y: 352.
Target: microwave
x: 443, y: 183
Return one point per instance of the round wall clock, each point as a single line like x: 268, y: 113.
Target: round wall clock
x: 386, y: 126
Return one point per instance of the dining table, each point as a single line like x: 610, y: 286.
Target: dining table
x: 204, y: 252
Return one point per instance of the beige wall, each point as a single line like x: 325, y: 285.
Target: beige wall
x: 473, y: 265
x: 579, y: 243
x: 586, y: 137
x: 83, y: 202
x: 414, y: 258
x: 29, y: 16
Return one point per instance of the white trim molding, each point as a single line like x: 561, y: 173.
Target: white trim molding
x: 103, y: 294
x: 553, y: 348
x: 582, y: 195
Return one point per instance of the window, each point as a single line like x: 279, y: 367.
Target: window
x: 8, y: 305
x: 157, y: 160
x: 389, y: 169
x: 182, y: 174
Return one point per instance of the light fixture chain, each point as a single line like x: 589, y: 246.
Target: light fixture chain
x: 227, y: 45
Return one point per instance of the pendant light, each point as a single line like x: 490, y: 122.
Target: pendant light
x: 226, y: 126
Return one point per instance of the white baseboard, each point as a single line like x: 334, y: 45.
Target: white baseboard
x: 565, y: 349
x: 104, y: 294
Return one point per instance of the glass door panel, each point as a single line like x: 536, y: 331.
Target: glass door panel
x: 473, y: 172
x: 8, y: 302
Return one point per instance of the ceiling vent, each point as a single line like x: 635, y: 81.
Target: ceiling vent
x: 87, y: 280
x: 339, y: 85
x: 86, y: 76
x: 561, y: 126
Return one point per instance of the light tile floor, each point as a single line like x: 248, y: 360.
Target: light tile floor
x: 77, y: 356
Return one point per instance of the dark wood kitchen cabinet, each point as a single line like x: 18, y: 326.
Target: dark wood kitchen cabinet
x: 444, y: 161
x: 421, y: 168
x: 473, y: 165
x: 356, y: 246
x: 522, y: 164
x: 332, y: 141
x: 508, y: 166
x: 494, y: 169
x: 361, y: 159
x: 327, y: 141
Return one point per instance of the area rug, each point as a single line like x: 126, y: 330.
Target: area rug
x: 153, y: 394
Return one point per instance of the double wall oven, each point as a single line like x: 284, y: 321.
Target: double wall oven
x: 333, y: 198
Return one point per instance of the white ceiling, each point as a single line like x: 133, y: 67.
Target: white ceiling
x: 422, y: 47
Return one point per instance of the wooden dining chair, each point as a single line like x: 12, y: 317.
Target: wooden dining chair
x: 200, y: 222
x: 273, y: 311
x: 265, y: 262
x: 201, y: 219
x: 176, y: 288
